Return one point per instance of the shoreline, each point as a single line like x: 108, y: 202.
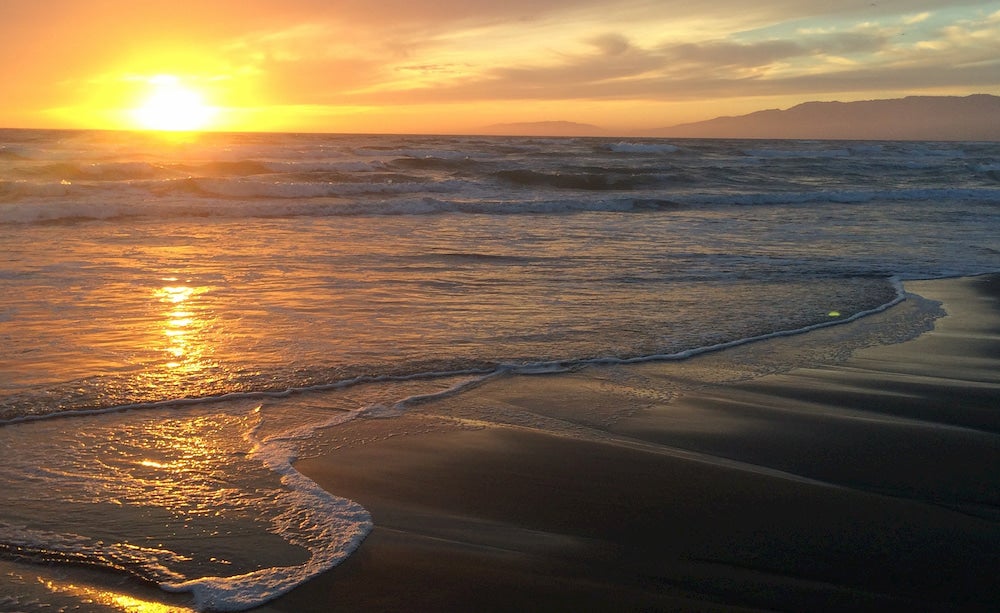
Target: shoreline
x: 863, y: 484
x: 557, y: 367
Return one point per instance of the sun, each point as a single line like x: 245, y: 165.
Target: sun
x: 173, y: 106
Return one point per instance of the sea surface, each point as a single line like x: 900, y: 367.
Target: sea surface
x: 179, y: 316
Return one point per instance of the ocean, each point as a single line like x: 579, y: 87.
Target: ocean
x: 179, y: 316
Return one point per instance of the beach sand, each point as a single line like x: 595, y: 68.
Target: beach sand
x: 867, y: 484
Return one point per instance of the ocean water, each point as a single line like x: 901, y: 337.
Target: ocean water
x: 178, y: 317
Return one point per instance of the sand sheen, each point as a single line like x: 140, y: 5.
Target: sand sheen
x: 240, y: 292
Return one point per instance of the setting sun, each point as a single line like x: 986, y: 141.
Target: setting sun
x: 173, y: 106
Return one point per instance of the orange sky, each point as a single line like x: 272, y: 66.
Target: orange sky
x: 459, y: 65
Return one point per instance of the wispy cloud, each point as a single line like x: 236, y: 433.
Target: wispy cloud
x: 407, y: 53
x: 858, y: 54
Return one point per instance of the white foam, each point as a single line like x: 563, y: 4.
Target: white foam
x: 331, y: 528
x: 253, y: 199
x: 237, y: 199
x: 689, y: 353
x: 401, y: 406
x: 223, y: 473
x: 562, y: 366
x: 75, y: 547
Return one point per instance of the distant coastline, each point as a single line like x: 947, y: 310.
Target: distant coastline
x: 955, y: 118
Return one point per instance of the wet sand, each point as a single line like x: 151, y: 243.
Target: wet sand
x: 871, y: 484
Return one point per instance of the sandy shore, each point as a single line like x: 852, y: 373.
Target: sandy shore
x: 872, y: 484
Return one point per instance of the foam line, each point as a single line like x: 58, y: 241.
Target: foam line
x: 547, y: 367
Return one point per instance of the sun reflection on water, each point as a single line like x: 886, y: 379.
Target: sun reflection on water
x: 183, y: 325
x: 112, y: 600
x: 175, y: 463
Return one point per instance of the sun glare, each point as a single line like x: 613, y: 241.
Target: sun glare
x: 173, y: 106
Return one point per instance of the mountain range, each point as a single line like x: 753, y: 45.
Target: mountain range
x: 975, y: 117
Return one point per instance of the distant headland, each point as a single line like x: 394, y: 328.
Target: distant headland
x: 972, y: 118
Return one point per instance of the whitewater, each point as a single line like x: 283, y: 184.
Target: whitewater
x: 179, y: 317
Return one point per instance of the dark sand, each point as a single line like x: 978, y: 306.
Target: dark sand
x: 866, y: 485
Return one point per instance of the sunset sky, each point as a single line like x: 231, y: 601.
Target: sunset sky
x: 458, y: 65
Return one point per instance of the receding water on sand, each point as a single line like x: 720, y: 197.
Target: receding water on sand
x: 178, y: 322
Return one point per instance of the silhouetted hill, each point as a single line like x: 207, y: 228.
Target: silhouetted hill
x: 975, y: 117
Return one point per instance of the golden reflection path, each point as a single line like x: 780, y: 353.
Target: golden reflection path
x: 111, y: 599
x: 182, y: 328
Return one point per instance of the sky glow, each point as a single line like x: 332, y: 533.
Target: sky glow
x: 459, y: 65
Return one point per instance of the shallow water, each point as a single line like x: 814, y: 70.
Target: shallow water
x: 237, y: 292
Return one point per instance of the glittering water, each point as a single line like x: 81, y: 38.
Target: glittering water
x: 207, y: 285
